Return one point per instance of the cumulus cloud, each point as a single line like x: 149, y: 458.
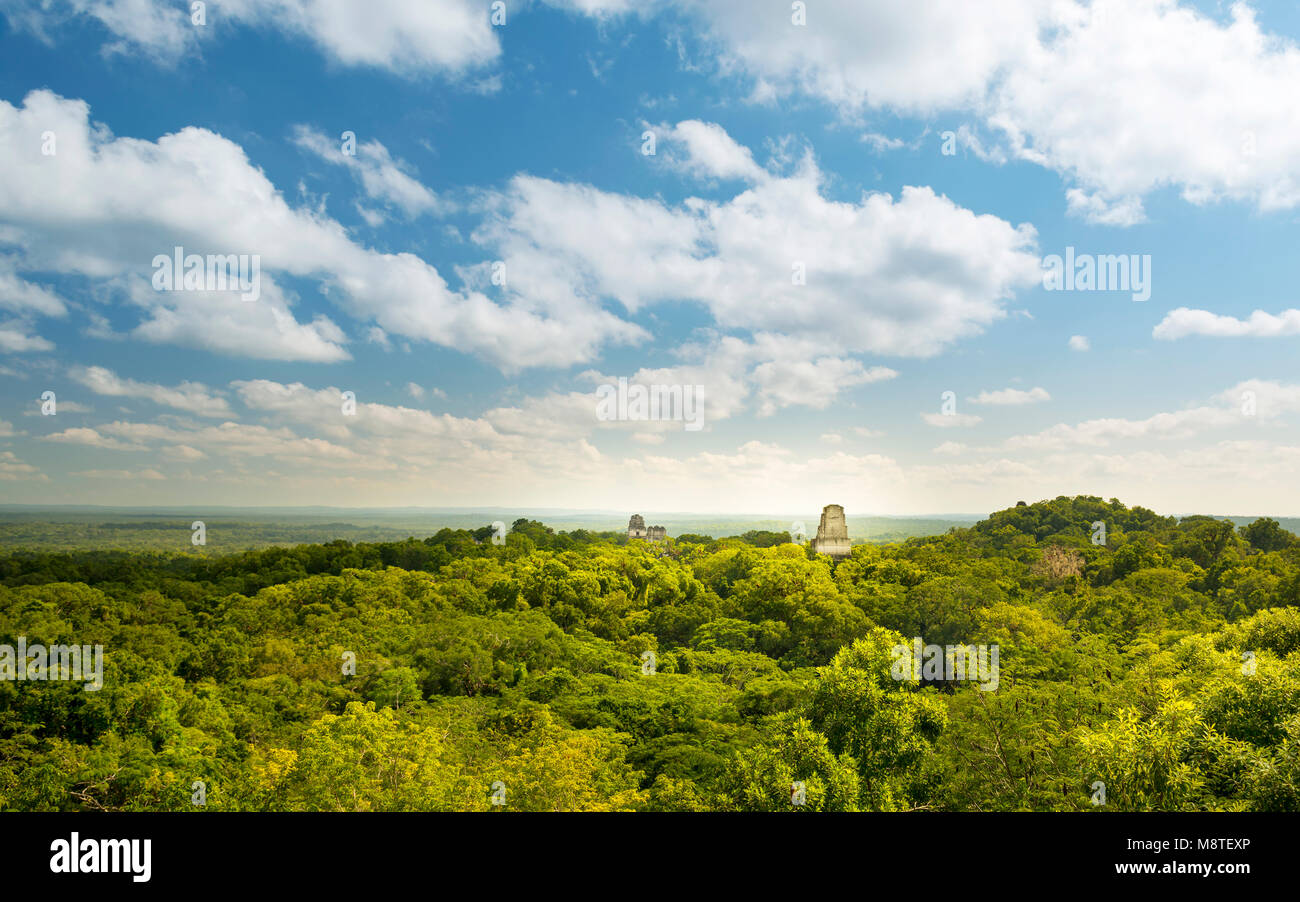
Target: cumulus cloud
x: 198, y: 190
x: 707, y: 150
x: 1011, y: 396
x: 12, y: 467
x: 20, y: 296
x: 451, y: 36
x: 918, y: 57
x: 382, y: 178
x: 222, y: 322
x: 93, y: 438
x: 1130, y: 95
x: 1099, y: 432
x: 16, y: 338
x: 1183, y: 322
x: 902, y: 276
x: 812, y: 382
x: 1238, y: 407
x: 1121, y: 97
x: 191, y: 397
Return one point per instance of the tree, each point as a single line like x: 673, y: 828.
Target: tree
x: 1266, y: 534
x: 885, y: 725
x: 369, y: 759
x: 798, y: 772
x: 1145, y: 763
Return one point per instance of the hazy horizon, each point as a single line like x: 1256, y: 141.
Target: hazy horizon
x: 612, y: 512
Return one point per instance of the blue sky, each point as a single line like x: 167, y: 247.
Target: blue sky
x: 1151, y: 128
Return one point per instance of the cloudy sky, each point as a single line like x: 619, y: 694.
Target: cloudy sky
x: 833, y: 217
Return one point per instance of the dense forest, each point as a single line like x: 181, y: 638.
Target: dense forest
x: 1150, y: 665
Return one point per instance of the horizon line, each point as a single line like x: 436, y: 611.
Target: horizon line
x: 540, y: 510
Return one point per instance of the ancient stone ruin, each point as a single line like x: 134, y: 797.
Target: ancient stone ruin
x: 832, y: 533
x: 636, y: 529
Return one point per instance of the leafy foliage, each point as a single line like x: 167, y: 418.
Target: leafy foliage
x: 580, y: 671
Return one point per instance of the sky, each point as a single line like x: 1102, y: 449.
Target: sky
x: 833, y: 230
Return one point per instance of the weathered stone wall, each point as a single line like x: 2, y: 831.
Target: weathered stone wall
x: 833, y: 533
x: 636, y: 529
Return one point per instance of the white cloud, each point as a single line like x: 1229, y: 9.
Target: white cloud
x: 1099, y: 210
x: 1136, y: 94
x: 198, y: 190
x: 1121, y: 97
x: 881, y: 143
x: 93, y: 438
x: 382, y: 178
x: 16, y: 338
x: 709, y: 151
x: 1011, y: 396
x: 1269, y: 400
x: 1079, y: 343
x: 918, y: 57
x: 191, y: 397
x: 766, y: 374
x: 12, y: 468
x: 20, y: 296
x: 398, y: 455
x: 1183, y: 322
x: 906, y: 276
x: 220, y: 321
x: 450, y: 36
x: 182, y: 453
x: 1100, y: 432
x: 237, y: 441
x: 812, y: 382
x: 296, y: 402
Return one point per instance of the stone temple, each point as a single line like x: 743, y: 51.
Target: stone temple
x: 636, y: 529
x: 832, y: 533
